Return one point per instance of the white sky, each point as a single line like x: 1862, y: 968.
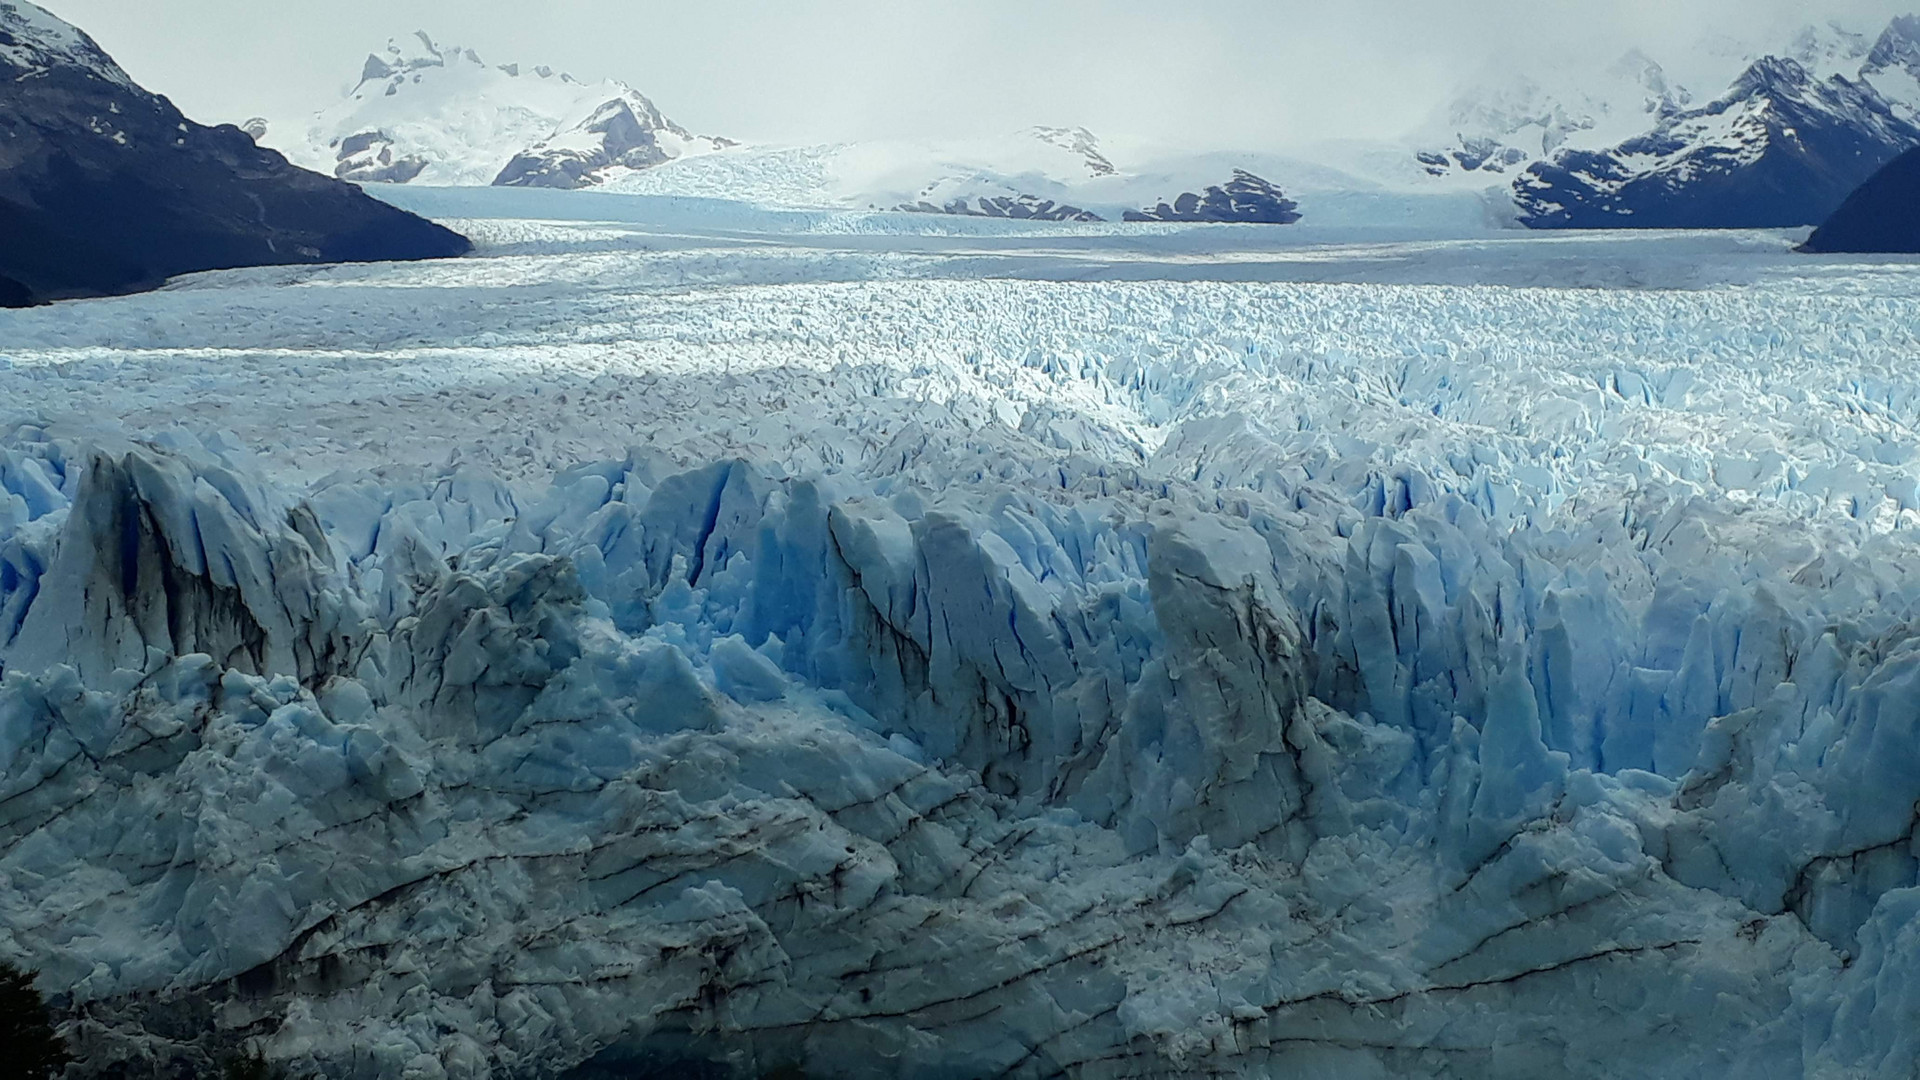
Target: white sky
x: 1223, y: 73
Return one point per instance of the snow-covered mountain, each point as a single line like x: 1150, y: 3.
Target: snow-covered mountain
x: 1624, y: 141
x: 1621, y: 142
x: 622, y: 134
x: 435, y: 114
x: 1786, y: 129
x: 1243, y: 198
x: 1523, y: 109
x: 1062, y: 174
x: 439, y: 114
x: 1782, y: 148
x: 1892, y: 66
x: 1827, y: 49
x: 106, y: 188
x: 1887, y: 60
x: 1510, y: 118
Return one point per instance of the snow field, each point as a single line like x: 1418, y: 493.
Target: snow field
x: 735, y: 638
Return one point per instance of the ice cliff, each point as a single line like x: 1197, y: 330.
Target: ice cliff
x: 964, y: 763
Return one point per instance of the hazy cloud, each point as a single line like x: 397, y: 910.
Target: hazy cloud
x: 1241, y: 73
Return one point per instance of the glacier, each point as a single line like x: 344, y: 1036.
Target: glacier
x: 690, y: 636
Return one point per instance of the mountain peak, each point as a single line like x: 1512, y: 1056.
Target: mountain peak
x: 1771, y: 72
x: 1508, y: 116
x: 417, y: 53
x: 33, y: 40
x: 623, y: 133
x: 1898, y: 47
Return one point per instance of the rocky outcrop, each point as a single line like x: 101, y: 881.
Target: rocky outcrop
x: 368, y: 157
x: 1013, y: 207
x: 1082, y: 143
x: 624, y: 133
x: 1245, y: 198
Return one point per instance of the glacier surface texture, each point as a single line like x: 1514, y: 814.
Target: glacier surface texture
x: 885, y: 646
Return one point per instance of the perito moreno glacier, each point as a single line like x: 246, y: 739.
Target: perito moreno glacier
x: 867, y: 646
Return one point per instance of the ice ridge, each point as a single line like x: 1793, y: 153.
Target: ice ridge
x: 1153, y: 774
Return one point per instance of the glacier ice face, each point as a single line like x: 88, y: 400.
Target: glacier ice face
x: 969, y: 677
x: 878, y: 785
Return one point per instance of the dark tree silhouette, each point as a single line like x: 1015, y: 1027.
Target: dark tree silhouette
x: 33, y: 1050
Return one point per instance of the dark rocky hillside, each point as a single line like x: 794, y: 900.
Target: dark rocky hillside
x: 106, y: 188
x: 1882, y: 217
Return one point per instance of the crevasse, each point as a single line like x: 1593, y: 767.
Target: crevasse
x: 1184, y: 767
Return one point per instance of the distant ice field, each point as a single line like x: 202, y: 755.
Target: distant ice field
x: 587, y: 322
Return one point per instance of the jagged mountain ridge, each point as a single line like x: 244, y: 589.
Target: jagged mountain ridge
x: 1799, y: 124
x: 1509, y: 129
x: 106, y: 188
x: 1519, y: 110
x: 431, y: 113
x: 1889, y: 61
x: 627, y: 132
x: 1513, y: 119
x: 1782, y: 148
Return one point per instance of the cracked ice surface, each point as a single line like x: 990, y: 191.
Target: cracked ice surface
x: 787, y: 639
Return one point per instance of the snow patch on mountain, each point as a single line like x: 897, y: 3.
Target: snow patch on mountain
x: 439, y: 114
x: 33, y: 41
x: 1827, y: 49
x: 1078, y: 141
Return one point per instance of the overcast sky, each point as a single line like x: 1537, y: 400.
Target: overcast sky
x: 1238, y: 73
